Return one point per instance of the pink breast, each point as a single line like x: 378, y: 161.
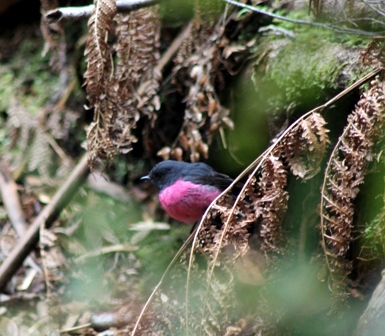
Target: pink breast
x: 186, y: 201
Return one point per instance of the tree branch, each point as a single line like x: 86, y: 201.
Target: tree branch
x: 49, y: 214
x: 303, y: 22
x: 11, y: 201
x: 75, y: 13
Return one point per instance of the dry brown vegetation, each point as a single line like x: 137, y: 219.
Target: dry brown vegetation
x: 251, y: 267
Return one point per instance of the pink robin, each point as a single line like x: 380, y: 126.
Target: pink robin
x: 187, y: 189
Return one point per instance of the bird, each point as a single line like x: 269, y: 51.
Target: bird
x: 185, y: 190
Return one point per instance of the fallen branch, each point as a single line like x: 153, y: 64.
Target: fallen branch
x: 46, y: 218
x: 11, y: 200
x: 75, y: 13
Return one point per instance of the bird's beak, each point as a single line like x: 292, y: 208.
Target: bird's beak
x: 147, y: 177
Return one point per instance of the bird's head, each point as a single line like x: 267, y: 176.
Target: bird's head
x: 166, y: 173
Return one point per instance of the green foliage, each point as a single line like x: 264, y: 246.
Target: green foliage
x: 305, y: 68
x: 309, y: 69
x: 7, y: 87
x: 102, y: 222
x: 173, y: 14
x: 317, y: 34
x: 373, y: 204
x: 28, y: 91
x: 30, y: 82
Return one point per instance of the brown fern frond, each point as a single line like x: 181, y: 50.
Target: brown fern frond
x: 374, y: 54
x: 137, y: 45
x: 100, y: 84
x: 273, y: 202
x: 195, y: 74
x: 345, y: 171
x: 223, y: 238
x: 264, y: 196
x: 305, y: 147
x: 98, y: 52
x: 263, y: 199
x: 137, y: 48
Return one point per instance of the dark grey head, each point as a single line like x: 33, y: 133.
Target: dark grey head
x: 166, y: 173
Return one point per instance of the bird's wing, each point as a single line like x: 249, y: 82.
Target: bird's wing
x: 218, y: 180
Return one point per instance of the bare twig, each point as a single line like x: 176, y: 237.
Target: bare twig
x: 106, y: 250
x: 378, y: 11
x: 75, y: 13
x: 11, y: 200
x: 12, y: 205
x: 303, y: 22
x: 46, y: 217
x: 77, y: 328
x: 174, y: 47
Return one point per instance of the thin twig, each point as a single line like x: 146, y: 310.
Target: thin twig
x: 11, y: 200
x: 55, y: 146
x: 49, y: 214
x: 77, y: 328
x: 303, y: 22
x: 76, y: 13
x: 106, y: 250
x: 378, y: 11
x: 12, y: 204
x: 174, y: 47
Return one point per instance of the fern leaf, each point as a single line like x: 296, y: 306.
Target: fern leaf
x: 99, y: 81
x: 345, y: 171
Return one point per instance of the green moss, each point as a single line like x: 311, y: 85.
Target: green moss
x: 36, y: 77
x: 304, y: 68
x: 31, y: 82
x: 310, y: 68
x: 320, y: 35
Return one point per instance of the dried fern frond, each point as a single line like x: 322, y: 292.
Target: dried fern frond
x: 195, y: 73
x: 223, y: 237
x: 120, y: 99
x: 263, y: 196
x: 100, y: 83
x: 137, y: 49
x: 137, y: 45
x: 345, y: 171
x: 272, y: 203
x: 304, y: 149
x: 35, y: 146
x: 263, y: 200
